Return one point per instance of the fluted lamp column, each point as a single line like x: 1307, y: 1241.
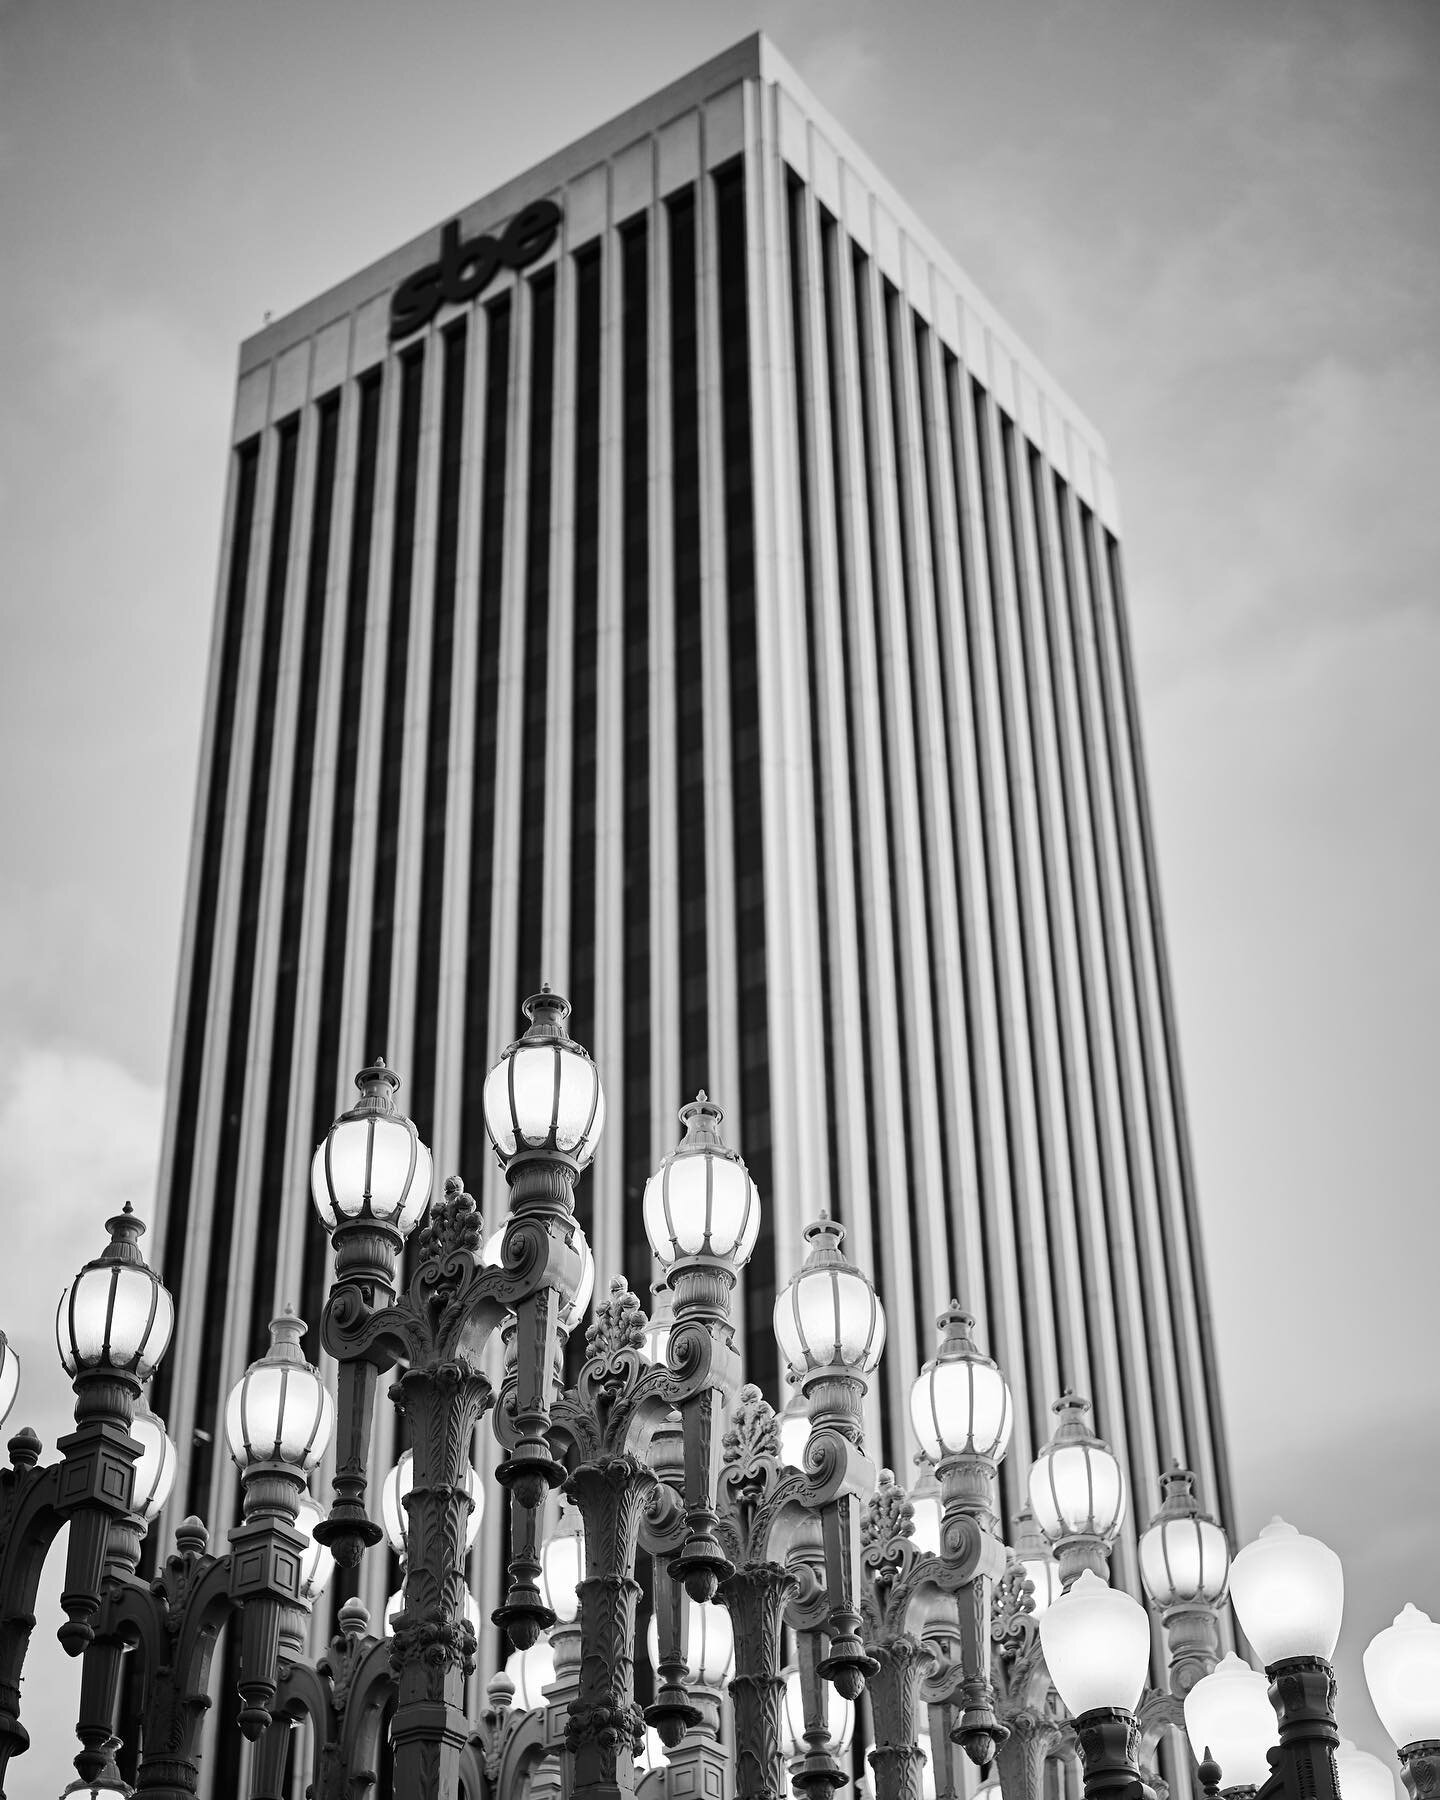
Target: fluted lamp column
x: 831, y: 1329
x: 113, y: 1325
x: 278, y: 1422
x: 962, y: 1412
x: 1185, y: 1569
x: 1288, y: 1591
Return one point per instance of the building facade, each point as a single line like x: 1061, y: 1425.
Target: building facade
x: 674, y: 582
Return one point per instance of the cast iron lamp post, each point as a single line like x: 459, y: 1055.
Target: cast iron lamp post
x: 831, y: 1329
x: 112, y: 1328
x: 961, y: 1410
x: 278, y: 1421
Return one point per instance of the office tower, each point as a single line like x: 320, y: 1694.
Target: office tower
x: 671, y: 580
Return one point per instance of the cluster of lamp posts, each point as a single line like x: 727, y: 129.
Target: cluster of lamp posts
x: 754, y: 1536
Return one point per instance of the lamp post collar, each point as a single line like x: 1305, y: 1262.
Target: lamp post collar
x: 378, y: 1087
x: 126, y: 1229
x: 547, y: 1012
x: 701, y: 1118
x: 825, y: 1236
x: 1177, y: 1496
x: 1073, y: 1428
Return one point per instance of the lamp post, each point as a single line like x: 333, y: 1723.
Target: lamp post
x: 113, y: 1326
x: 278, y: 1420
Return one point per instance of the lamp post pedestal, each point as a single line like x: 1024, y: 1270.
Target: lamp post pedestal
x: 894, y: 1696
x: 756, y: 1596
x: 605, y: 1725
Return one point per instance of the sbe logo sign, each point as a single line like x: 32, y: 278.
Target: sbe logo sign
x: 467, y: 266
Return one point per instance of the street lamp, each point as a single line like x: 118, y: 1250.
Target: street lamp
x: 1096, y: 1641
x: 1185, y: 1566
x: 1402, y: 1671
x: 1288, y: 1591
x: 1077, y: 1492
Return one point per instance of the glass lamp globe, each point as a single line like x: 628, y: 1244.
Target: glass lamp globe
x: 1184, y: 1555
x: 652, y: 1754
x: 155, y: 1468
x: 709, y: 1643
x: 117, y: 1313
x: 1402, y: 1672
x: 280, y: 1411
x: 397, y: 1486
x: 1362, y: 1776
x: 532, y: 1671
x: 701, y: 1200
x: 839, y: 1717
x: 794, y: 1424
x: 1096, y: 1642
x: 317, y: 1565
x: 925, y: 1517
x: 828, y: 1315
x: 1076, y: 1487
x: 1288, y: 1591
x: 562, y: 1565
x: 656, y: 1348
x: 545, y: 1093
x: 1033, y: 1554
x: 960, y: 1403
x: 9, y: 1377
x: 371, y: 1165
x: 1228, y: 1713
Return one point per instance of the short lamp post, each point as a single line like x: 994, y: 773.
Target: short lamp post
x: 112, y: 1328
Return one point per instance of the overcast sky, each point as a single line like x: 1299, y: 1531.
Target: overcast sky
x: 1218, y: 224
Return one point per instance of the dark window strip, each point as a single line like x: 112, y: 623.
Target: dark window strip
x: 804, y: 429
x: 635, y: 751
x: 999, y: 781
x: 906, y: 504
x: 493, y: 480
x: 534, y: 724
x: 836, y: 376
x: 866, y: 330
x: 1061, y: 880
x: 1056, y: 1191
x: 384, y: 895
x: 197, y: 1005
x: 292, y: 901
x: 342, y: 821
x: 584, y: 743
x: 689, y: 648
x: 745, y: 771
x: 976, y: 1282
x: 218, y: 1273
x: 437, y: 738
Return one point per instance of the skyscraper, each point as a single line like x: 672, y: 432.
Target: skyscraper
x: 671, y: 580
